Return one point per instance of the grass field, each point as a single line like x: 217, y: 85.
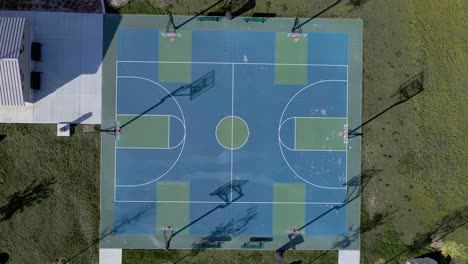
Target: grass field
x: 414, y: 153
x: 49, y: 193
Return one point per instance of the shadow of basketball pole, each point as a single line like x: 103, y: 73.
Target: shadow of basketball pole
x: 222, y: 192
x: 194, y: 16
x: 406, y: 91
x: 299, y: 25
x: 195, y: 89
x: 358, y: 183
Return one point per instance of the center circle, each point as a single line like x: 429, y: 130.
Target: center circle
x: 232, y: 132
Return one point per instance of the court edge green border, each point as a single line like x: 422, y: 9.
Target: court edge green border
x: 112, y: 22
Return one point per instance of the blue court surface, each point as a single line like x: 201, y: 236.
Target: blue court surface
x: 229, y: 134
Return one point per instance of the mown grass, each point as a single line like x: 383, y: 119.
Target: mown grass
x: 419, y: 147
x: 228, y: 257
x: 49, y: 193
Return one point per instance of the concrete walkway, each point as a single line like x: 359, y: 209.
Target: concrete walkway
x: 70, y: 71
x: 110, y: 256
x: 349, y: 256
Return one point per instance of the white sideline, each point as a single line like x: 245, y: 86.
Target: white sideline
x: 110, y: 256
x: 349, y: 256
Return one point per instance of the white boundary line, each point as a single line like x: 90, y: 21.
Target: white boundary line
x: 214, y: 202
x: 115, y: 122
x: 235, y: 63
x: 345, y: 137
x: 347, y: 123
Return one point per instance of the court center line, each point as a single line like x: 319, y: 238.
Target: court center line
x: 115, y: 126
x: 347, y: 123
x: 236, y: 63
x: 214, y: 202
x: 232, y: 124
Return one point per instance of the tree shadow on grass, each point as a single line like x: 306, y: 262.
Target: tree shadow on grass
x: 357, y: 3
x: 119, y: 226
x: 444, y: 227
x: 34, y: 194
x: 4, y: 257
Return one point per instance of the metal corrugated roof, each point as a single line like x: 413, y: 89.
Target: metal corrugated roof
x: 11, y: 92
x: 11, y: 34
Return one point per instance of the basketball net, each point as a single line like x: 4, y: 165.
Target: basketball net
x: 296, y: 38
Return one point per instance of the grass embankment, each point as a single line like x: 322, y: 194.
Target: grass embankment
x: 418, y: 146
x: 49, y: 193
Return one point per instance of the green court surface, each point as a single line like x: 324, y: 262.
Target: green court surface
x: 294, y: 53
x: 169, y: 210
x: 144, y: 131
x: 232, y: 132
x: 319, y: 133
x: 180, y: 49
x: 289, y: 211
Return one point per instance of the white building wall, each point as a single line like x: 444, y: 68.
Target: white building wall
x: 25, y: 63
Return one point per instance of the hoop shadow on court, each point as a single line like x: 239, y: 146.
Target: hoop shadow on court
x: 192, y: 90
x: 223, y: 192
x: 405, y: 92
x: 355, y: 186
x: 215, y: 237
x: 103, y: 234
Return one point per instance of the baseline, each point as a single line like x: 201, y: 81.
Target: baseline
x: 212, y: 202
x: 235, y: 63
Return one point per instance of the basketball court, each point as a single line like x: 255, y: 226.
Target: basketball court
x: 232, y: 136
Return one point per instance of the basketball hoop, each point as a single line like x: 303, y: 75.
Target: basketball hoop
x: 293, y: 231
x: 170, y: 36
x: 297, y: 36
